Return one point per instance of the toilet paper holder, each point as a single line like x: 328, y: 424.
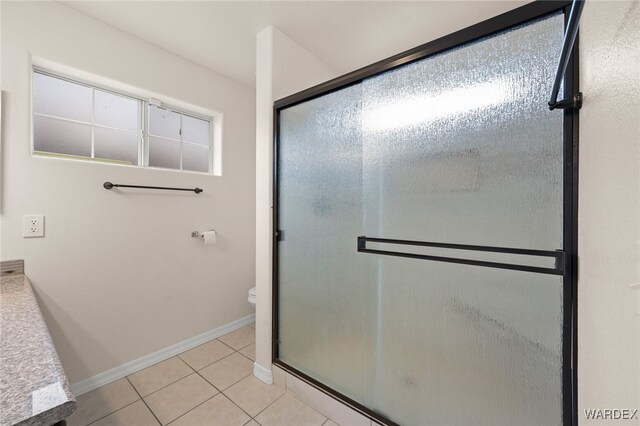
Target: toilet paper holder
x: 200, y: 234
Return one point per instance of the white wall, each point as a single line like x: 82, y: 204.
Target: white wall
x: 609, y: 208
x: 283, y: 67
x: 118, y: 275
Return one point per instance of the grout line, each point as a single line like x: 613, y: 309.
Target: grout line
x: 167, y: 385
x: 309, y: 406
x: 113, y: 412
x: 241, y: 409
x: 144, y: 402
x: 184, y: 414
x: 222, y: 390
x: 159, y: 389
x: 265, y: 408
x: 180, y: 358
x: 252, y: 360
x: 208, y: 365
x: 246, y: 346
x: 205, y: 379
x: 229, y: 346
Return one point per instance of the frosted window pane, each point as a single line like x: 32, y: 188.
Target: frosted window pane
x: 164, y: 123
x: 61, y: 98
x: 164, y: 153
x: 117, y: 111
x: 195, y: 130
x: 195, y: 158
x: 116, y: 145
x: 62, y: 137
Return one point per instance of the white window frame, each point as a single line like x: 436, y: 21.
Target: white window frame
x: 143, y: 133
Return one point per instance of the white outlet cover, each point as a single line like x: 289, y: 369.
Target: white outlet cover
x: 33, y: 226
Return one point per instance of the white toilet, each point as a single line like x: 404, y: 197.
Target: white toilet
x: 252, y: 297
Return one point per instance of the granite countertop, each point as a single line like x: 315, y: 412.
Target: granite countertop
x: 33, y: 387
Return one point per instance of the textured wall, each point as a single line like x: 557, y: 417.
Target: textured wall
x: 609, y: 209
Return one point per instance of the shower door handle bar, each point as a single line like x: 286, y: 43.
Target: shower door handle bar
x: 558, y: 255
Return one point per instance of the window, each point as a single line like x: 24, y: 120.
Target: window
x: 78, y: 120
x: 178, y: 141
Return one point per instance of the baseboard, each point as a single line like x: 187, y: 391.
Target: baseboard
x: 262, y: 373
x: 131, y: 367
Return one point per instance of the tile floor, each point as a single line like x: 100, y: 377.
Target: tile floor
x: 212, y: 384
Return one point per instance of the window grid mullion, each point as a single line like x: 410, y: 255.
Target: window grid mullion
x: 210, y: 169
x: 141, y: 135
x: 181, y: 141
x: 147, y: 123
x: 93, y: 119
x: 166, y: 138
x: 85, y: 123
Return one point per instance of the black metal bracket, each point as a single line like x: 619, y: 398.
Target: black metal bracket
x: 576, y: 103
x: 109, y: 185
x: 567, y: 46
x: 558, y: 255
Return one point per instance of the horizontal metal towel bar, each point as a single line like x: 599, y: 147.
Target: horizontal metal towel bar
x: 109, y: 185
x: 558, y: 255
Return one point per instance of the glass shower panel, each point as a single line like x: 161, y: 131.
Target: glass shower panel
x: 321, y: 328
x: 462, y: 345
x: 461, y: 148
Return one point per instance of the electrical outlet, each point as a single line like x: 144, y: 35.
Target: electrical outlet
x: 32, y: 226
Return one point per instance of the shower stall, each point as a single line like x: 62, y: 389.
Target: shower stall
x: 424, y: 230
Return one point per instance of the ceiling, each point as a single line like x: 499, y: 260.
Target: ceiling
x: 345, y: 35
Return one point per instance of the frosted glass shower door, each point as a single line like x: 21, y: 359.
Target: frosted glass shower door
x: 420, y: 216
x: 320, y: 286
x: 460, y: 148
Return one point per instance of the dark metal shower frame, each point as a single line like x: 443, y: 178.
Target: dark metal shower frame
x: 518, y: 16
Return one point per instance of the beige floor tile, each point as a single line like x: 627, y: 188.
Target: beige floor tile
x: 159, y: 375
x: 252, y: 423
x: 102, y: 401
x: 135, y: 414
x: 227, y: 371
x: 206, y: 354
x: 239, y: 338
x: 173, y: 401
x: 252, y: 325
x: 329, y: 422
x: 218, y: 411
x: 290, y: 411
x: 249, y: 352
x: 252, y: 395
